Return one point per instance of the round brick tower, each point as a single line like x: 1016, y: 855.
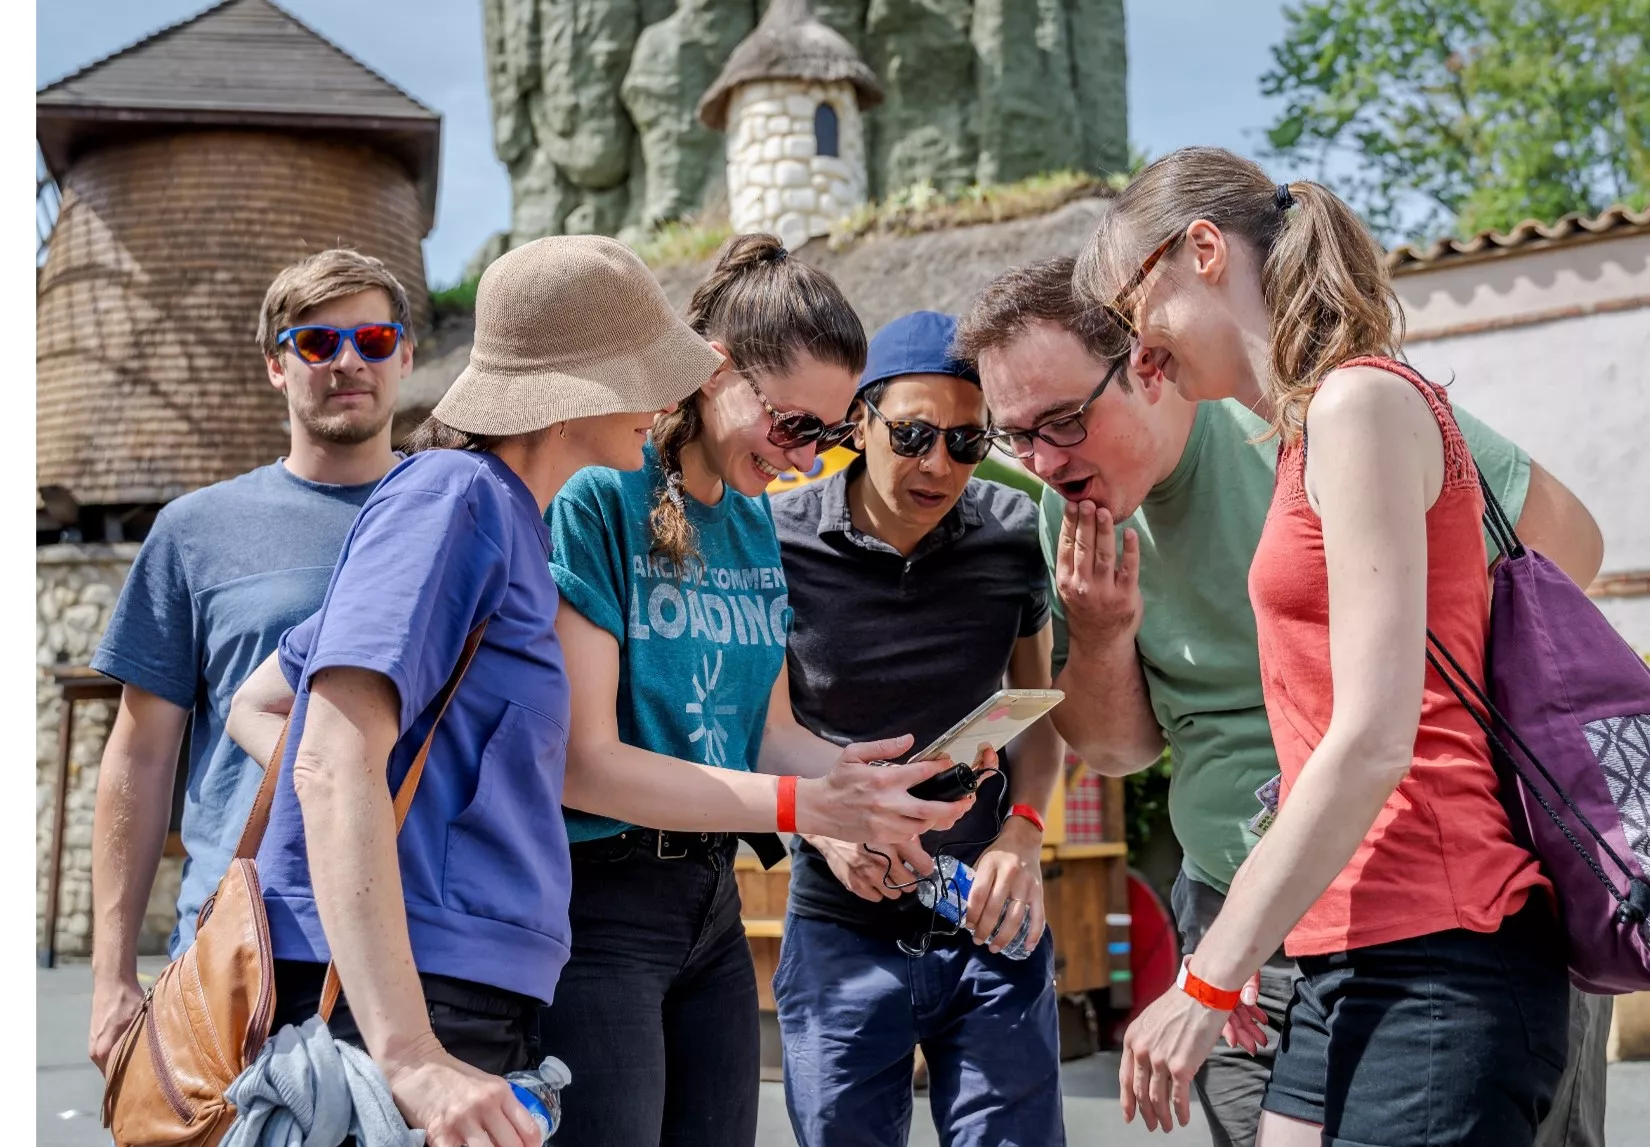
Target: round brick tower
x: 181, y: 199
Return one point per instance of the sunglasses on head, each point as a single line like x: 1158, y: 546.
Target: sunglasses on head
x: 315, y: 344
x: 1116, y: 309
x: 914, y: 438
x: 794, y: 429
x: 1063, y: 430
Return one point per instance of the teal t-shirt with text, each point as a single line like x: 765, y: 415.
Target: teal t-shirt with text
x: 699, y: 648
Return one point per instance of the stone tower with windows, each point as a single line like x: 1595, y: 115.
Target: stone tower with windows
x: 789, y: 100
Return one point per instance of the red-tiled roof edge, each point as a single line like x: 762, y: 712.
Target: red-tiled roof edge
x: 169, y: 29
x: 1574, y: 226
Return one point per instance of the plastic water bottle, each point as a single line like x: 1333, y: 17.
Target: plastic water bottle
x: 540, y: 1092
x: 957, y: 880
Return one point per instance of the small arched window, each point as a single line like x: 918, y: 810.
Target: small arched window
x: 825, y: 130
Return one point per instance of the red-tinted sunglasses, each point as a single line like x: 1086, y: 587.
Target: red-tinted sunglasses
x: 794, y: 429
x: 316, y: 345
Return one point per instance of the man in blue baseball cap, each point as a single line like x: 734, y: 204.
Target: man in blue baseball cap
x: 918, y: 588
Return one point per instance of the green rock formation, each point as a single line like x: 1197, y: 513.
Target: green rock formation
x: 594, y: 100
x: 675, y: 60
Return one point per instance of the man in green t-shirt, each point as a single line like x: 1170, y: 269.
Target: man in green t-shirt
x: 1153, y: 509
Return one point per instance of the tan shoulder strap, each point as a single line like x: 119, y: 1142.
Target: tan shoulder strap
x: 409, y: 785
x: 257, y: 821
x: 252, y: 835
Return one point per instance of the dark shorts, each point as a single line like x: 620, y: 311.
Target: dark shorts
x: 1451, y: 1038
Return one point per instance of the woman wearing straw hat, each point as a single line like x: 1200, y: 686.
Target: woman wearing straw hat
x: 676, y: 612
x: 447, y: 937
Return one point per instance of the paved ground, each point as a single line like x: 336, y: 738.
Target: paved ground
x: 68, y: 1089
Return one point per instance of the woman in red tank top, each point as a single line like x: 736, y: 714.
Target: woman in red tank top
x: 1433, y: 1002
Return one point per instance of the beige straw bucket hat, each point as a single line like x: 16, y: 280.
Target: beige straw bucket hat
x: 572, y: 326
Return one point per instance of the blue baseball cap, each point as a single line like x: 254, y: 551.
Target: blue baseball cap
x: 917, y: 343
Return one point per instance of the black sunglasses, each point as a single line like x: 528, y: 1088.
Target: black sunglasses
x: 1065, y: 430
x: 914, y: 438
x: 794, y: 429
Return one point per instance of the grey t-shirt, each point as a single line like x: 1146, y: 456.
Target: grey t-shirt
x: 883, y: 645
x: 225, y: 571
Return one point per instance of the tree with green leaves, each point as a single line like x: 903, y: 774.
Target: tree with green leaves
x: 1463, y: 115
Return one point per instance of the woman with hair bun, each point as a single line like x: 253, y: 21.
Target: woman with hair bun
x: 674, y: 610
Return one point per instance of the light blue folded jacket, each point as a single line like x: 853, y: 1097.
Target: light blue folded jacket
x: 306, y: 1089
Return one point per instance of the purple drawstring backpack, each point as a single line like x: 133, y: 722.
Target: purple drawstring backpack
x: 1568, y: 721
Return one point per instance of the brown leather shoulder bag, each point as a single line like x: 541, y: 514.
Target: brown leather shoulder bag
x: 208, y: 1013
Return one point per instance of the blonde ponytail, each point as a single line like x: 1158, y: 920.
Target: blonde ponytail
x: 1330, y: 297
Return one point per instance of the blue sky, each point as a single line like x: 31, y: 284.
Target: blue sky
x: 1194, y: 68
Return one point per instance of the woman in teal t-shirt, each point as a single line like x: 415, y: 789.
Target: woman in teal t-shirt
x: 675, y: 612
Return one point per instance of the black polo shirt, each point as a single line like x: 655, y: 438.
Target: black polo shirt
x: 883, y: 644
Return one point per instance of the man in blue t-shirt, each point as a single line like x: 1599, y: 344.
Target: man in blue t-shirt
x: 223, y: 573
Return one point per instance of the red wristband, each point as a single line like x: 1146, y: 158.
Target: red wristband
x: 1030, y: 814
x: 1204, y: 992
x: 787, y: 804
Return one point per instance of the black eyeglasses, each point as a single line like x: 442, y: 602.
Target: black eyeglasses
x: 794, y: 429
x: 914, y: 438
x: 1066, y: 430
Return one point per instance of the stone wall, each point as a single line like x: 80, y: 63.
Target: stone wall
x: 75, y: 591
x: 594, y: 101
x: 777, y: 181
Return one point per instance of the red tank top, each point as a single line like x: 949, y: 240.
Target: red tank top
x: 1441, y: 853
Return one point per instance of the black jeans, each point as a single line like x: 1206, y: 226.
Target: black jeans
x: 655, y: 1013
x: 490, y: 1029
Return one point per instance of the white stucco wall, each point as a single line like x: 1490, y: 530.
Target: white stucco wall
x: 776, y: 180
x: 1573, y: 389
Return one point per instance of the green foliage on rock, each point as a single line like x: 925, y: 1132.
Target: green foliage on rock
x: 460, y: 298
x: 680, y: 243
x: 1488, y: 111
x: 924, y: 207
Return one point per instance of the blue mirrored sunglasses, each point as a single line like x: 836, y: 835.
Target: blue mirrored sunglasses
x: 316, y: 344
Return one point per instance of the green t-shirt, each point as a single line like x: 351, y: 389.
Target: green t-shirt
x: 1198, y: 531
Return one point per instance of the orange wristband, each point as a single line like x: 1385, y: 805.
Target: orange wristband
x: 1204, y: 992
x: 787, y: 804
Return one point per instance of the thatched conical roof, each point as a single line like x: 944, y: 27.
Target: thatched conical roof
x: 789, y: 44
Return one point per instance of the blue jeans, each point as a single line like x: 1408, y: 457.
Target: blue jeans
x: 853, y: 1008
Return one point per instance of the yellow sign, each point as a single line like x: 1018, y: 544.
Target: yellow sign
x: 826, y: 464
